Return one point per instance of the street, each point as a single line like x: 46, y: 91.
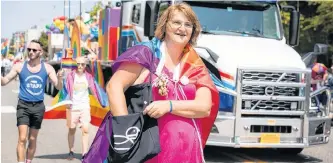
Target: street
x: 52, y: 141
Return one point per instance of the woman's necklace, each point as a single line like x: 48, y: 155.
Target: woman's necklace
x: 162, y: 82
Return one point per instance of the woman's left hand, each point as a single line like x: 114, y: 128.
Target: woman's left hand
x: 157, y: 109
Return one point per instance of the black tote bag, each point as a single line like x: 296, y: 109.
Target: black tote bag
x: 135, y: 137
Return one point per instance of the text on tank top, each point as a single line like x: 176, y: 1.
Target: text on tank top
x: 32, y: 85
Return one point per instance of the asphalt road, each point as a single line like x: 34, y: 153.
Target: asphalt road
x: 52, y: 141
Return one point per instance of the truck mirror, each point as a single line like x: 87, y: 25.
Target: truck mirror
x: 294, y: 28
x: 151, y: 13
x: 293, y: 39
x: 320, y: 49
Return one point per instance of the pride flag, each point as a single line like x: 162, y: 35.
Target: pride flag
x: 68, y: 63
x: 97, y: 72
x: 75, y: 41
x: 98, y: 100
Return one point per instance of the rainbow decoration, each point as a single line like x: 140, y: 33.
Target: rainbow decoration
x: 109, y: 33
x: 67, y: 41
x: 68, y: 63
x: 4, y: 46
x: 75, y: 41
x: 97, y: 96
x: 96, y: 68
x: 319, y: 68
x: 101, y: 35
x: 191, y: 66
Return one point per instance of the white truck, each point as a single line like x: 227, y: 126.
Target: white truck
x: 265, y: 98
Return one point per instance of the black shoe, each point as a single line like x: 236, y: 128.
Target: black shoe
x: 70, y: 155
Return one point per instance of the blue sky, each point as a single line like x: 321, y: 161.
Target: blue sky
x: 21, y: 15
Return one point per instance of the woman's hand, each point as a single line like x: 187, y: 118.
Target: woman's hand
x: 157, y: 109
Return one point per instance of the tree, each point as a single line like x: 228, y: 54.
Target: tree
x: 316, y: 22
x: 43, y: 39
x: 96, y: 8
x: 323, y: 19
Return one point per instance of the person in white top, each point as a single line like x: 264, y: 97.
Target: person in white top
x: 79, y: 112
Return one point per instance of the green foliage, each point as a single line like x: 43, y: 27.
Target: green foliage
x: 44, y: 40
x: 316, y: 22
x: 324, y: 16
x: 96, y: 8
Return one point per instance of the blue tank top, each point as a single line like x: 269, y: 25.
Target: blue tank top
x: 32, y: 85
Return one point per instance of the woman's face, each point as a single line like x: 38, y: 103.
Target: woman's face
x: 179, y: 29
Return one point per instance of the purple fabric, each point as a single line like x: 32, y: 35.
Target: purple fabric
x: 139, y: 54
x: 90, y: 79
x: 115, y: 17
x: 100, y: 146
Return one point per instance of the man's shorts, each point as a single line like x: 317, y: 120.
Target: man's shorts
x: 78, y: 117
x: 30, y: 113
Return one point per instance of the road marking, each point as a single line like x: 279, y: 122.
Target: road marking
x: 8, y: 109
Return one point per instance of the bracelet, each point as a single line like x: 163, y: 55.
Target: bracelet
x: 170, y: 106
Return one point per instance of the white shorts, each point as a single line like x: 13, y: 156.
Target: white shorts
x: 78, y: 117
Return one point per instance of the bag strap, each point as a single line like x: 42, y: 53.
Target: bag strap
x: 152, y: 48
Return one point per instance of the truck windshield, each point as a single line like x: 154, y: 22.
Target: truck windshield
x: 255, y: 19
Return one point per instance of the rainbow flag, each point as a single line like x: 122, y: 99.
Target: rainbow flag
x: 75, y: 41
x: 66, y: 41
x: 4, y: 46
x: 98, y: 100
x: 192, y: 67
x: 68, y: 63
x: 96, y: 68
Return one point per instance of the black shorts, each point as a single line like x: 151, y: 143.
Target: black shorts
x: 30, y: 113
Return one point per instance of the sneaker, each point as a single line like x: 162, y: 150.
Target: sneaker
x: 70, y: 155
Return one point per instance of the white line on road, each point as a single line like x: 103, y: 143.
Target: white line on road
x: 8, y: 109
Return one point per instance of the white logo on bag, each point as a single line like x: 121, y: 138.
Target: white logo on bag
x: 130, y: 136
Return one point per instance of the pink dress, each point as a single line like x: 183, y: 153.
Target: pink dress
x: 179, y: 137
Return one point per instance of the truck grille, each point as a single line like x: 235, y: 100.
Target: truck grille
x: 270, y: 105
x: 268, y: 76
x: 260, y: 90
x: 278, y: 91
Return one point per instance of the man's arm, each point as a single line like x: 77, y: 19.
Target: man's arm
x: 11, y: 75
x: 55, y: 78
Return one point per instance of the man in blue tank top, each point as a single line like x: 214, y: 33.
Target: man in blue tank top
x: 33, y: 75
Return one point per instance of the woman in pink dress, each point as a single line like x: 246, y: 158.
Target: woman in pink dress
x: 185, y: 100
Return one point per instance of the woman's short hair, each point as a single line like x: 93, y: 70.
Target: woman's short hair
x: 188, y: 12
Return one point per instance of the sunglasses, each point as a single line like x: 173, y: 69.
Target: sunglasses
x: 34, y: 50
x: 80, y: 64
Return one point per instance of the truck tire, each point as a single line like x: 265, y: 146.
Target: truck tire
x: 290, y: 151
